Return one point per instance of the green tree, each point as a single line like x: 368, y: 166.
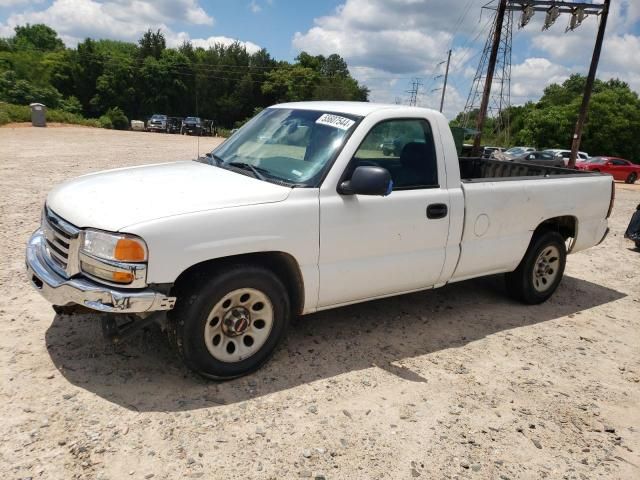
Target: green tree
x: 152, y: 44
x: 36, y: 37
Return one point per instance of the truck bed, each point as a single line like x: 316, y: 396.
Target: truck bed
x: 504, y: 202
x: 474, y: 169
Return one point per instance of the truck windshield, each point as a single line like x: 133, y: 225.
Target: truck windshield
x: 287, y: 145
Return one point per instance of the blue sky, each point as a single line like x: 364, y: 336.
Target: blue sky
x: 386, y: 43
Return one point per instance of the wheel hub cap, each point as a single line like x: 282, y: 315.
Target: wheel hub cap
x: 547, y: 267
x: 236, y: 321
x: 238, y: 325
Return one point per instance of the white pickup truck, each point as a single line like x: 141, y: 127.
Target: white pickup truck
x: 300, y: 211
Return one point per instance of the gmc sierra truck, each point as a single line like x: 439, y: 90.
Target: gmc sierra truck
x: 302, y: 210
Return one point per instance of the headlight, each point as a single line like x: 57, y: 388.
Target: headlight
x: 113, y: 257
x: 112, y: 246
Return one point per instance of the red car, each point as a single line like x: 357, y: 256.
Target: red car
x: 620, y: 168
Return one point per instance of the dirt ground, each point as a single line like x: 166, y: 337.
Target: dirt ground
x: 458, y: 382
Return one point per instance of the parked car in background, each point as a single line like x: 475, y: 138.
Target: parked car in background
x: 390, y: 146
x: 619, y: 168
x: 490, y: 152
x: 566, y: 154
x: 174, y: 124
x: 157, y: 123
x: 137, y: 125
x: 191, y: 126
x: 512, y: 153
x: 208, y: 127
x: 540, y: 158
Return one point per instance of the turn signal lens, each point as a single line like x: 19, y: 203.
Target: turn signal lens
x: 130, y: 250
x: 115, y: 277
x: 122, y: 277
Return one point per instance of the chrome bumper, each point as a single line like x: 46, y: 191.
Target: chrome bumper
x: 62, y: 291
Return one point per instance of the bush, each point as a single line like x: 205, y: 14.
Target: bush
x: 119, y: 120
x: 105, y: 122
x: 71, y: 105
x: 22, y: 113
x: 14, y: 113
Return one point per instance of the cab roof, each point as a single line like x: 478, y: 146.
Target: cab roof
x: 361, y: 109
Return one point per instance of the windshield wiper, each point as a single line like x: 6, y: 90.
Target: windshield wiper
x: 248, y: 166
x: 219, y: 161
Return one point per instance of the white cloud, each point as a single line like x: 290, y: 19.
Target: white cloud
x: 118, y: 19
x: 387, y: 42
x: 255, y: 7
x: 530, y: 77
x: 176, y: 40
x: 397, y: 36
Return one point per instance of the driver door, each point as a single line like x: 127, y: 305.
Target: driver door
x: 372, y: 246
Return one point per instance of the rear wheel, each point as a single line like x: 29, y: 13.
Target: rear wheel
x: 540, y: 271
x: 229, y: 325
x: 632, y: 178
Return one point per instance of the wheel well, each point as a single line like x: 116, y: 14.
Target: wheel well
x: 280, y: 263
x: 566, y: 226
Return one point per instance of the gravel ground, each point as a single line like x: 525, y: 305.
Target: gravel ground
x: 458, y: 382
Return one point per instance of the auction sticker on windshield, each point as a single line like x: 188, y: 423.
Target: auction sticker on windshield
x: 335, y: 121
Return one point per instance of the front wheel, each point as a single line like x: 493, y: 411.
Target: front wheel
x: 229, y: 325
x: 632, y: 178
x: 540, y: 271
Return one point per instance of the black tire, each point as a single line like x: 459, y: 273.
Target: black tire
x: 187, y: 321
x: 631, y: 178
x: 520, y: 282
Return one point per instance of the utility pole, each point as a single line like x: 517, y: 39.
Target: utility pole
x: 502, y: 6
x: 444, y: 87
x: 582, y: 116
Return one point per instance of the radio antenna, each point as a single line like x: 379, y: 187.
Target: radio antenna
x: 197, y: 115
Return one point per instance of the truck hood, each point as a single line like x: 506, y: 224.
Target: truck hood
x: 115, y: 199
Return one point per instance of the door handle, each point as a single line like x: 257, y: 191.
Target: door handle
x: 436, y: 211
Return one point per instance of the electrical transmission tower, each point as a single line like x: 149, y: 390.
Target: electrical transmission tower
x: 415, y: 90
x: 493, y: 76
x: 499, y: 99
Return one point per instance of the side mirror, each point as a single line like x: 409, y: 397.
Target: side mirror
x: 368, y: 180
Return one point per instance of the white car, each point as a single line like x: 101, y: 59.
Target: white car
x: 226, y: 249
x: 566, y: 154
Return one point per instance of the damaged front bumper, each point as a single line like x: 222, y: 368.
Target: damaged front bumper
x: 78, y: 290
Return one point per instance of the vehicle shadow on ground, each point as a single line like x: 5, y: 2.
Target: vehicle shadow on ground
x: 145, y: 375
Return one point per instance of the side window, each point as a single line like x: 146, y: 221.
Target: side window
x: 405, y: 148
x: 619, y: 162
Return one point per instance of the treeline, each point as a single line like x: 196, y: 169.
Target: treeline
x: 113, y: 79
x: 612, y: 128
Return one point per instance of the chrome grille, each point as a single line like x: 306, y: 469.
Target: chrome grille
x: 62, y: 243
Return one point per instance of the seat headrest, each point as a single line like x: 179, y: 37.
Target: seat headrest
x: 414, y: 154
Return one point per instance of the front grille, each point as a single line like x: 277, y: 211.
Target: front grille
x: 62, y: 242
